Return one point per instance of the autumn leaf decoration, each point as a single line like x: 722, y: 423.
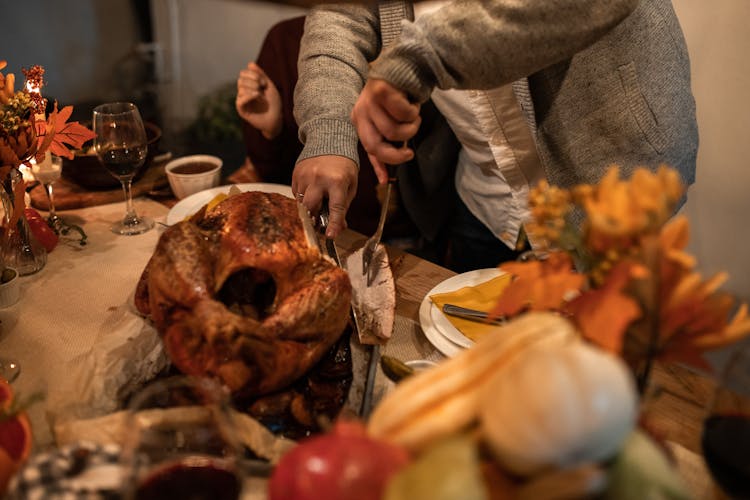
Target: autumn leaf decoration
x: 637, y: 294
x: 695, y: 315
x: 604, y: 313
x: 26, y: 132
x: 58, y: 134
x: 23, y: 116
x: 539, y: 285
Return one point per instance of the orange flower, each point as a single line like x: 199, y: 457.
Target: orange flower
x: 697, y: 317
x: 640, y: 295
x: 540, y: 285
x: 694, y: 315
x: 549, y: 207
x: 6, y: 84
x: 603, y: 314
x: 620, y: 211
x: 675, y: 262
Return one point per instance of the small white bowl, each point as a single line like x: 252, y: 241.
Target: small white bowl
x: 420, y: 365
x: 10, y: 291
x: 192, y: 174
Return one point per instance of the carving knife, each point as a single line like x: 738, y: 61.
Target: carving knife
x: 333, y: 253
x: 372, y: 365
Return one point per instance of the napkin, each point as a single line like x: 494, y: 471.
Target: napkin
x: 481, y: 297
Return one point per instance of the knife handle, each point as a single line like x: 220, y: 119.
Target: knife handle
x: 391, y: 173
x: 391, y: 169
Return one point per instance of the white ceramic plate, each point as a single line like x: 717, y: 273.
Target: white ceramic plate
x: 437, y: 328
x: 435, y: 338
x: 190, y: 205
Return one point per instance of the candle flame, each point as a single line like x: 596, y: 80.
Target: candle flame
x: 33, y: 87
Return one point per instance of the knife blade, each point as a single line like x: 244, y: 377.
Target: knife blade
x: 370, y: 257
x: 309, y: 226
x: 372, y: 369
x: 333, y: 253
x: 372, y: 365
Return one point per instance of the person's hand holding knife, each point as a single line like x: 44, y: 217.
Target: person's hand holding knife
x: 385, y: 120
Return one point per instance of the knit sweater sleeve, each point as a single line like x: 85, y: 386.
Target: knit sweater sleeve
x: 337, y: 46
x: 481, y: 44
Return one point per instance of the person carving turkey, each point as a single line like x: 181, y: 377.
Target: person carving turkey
x: 238, y: 293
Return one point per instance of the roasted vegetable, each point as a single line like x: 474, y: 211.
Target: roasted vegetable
x: 438, y: 402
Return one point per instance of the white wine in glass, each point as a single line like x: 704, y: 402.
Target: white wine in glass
x: 121, y: 146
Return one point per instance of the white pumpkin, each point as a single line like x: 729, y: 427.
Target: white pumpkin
x: 558, y: 407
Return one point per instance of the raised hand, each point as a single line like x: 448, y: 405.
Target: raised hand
x: 258, y: 101
x: 385, y: 118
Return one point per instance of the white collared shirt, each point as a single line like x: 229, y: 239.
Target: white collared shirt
x: 498, y: 162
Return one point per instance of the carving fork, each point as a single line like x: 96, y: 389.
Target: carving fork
x: 369, y: 264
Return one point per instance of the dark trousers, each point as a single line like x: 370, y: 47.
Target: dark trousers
x: 471, y: 245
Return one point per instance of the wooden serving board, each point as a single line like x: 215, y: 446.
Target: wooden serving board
x: 69, y: 195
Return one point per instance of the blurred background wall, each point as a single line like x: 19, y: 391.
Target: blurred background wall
x: 82, y: 44
x: 719, y: 203
x: 181, y: 57
x: 177, y: 59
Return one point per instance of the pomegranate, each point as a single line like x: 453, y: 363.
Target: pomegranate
x: 15, y: 436
x: 343, y: 464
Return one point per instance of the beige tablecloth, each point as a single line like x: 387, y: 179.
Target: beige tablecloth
x: 74, y: 331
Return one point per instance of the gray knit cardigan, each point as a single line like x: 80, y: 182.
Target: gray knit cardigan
x: 601, y: 81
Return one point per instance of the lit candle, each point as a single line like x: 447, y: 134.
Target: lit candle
x: 26, y: 171
x: 36, y: 89
x: 48, y: 171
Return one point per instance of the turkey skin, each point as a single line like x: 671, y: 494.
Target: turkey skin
x: 239, y: 293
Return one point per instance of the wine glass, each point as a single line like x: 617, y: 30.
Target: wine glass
x: 726, y: 431
x: 181, y: 442
x: 121, y: 146
x: 47, y: 172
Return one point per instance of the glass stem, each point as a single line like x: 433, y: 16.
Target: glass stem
x: 130, y: 216
x: 51, y: 198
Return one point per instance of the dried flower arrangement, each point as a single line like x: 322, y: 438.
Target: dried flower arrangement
x: 26, y: 132
x: 623, y: 275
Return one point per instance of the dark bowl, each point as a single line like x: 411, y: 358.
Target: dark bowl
x: 86, y: 170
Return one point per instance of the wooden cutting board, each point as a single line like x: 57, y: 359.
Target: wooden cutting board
x: 69, y: 195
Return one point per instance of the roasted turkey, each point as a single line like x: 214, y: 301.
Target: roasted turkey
x: 239, y: 293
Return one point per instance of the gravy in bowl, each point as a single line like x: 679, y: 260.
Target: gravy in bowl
x: 197, y: 167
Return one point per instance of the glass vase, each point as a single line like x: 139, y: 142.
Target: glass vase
x: 20, y: 250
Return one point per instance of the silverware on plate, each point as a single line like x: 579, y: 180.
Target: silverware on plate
x: 472, y: 314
